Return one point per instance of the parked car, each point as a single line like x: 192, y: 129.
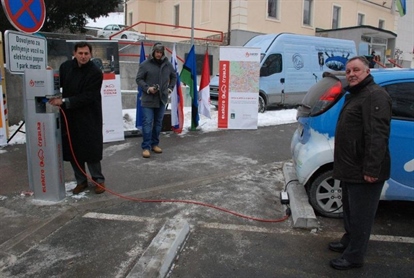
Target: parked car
x: 313, y: 141
x: 126, y: 34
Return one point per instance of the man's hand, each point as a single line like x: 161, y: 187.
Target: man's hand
x: 152, y: 90
x: 370, y: 179
x: 56, y: 101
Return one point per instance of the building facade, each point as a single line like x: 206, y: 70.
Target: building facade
x: 373, y: 24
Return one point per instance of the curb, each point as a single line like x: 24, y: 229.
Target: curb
x: 160, y: 254
x: 302, y: 212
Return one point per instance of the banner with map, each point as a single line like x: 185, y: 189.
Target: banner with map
x: 239, y: 70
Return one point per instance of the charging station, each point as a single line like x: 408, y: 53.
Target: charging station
x: 43, y: 135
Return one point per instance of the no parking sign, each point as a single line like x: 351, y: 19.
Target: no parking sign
x: 26, y: 15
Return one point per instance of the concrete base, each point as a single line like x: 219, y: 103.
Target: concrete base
x: 160, y: 254
x: 302, y: 212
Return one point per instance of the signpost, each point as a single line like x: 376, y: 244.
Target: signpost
x: 25, y: 15
x: 25, y: 52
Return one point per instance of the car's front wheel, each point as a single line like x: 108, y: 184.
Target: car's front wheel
x: 124, y: 37
x: 325, y: 195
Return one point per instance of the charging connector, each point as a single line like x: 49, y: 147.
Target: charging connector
x: 284, y: 197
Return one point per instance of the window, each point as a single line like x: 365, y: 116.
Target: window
x: 205, y: 10
x: 361, y: 19
x: 336, y: 16
x: 272, y: 8
x: 381, y: 24
x: 130, y: 17
x: 307, y: 12
x: 273, y: 64
x: 402, y: 95
x: 177, y: 15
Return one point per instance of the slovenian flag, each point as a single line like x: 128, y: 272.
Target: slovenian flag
x: 402, y: 7
x: 189, y: 77
x: 138, y: 118
x: 204, y: 94
x: 177, y: 100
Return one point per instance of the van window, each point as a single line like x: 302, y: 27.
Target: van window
x: 272, y: 65
x: 402, y: 95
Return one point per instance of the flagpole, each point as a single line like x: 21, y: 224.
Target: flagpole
x: 192, y: 23
x: 193, y: 124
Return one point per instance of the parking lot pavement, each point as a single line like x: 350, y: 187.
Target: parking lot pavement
x: 106, y: 236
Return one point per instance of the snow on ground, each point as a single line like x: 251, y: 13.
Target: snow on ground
x: 269, y: 118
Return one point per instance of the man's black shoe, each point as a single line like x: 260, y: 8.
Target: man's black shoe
x: 342, y: 264
x: 336, y: 247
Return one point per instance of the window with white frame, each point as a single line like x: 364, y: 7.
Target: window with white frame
x: 361, y: 19
x: 307, y: 12
x: 381, y: 24
x: 336, y: 17
x: 273, y: 8
x: 177, y: 15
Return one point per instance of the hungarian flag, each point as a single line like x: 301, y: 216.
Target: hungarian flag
x: 138, y: 118
x: 189, y: 77
x: 204, y: 94
x: 177, y: 100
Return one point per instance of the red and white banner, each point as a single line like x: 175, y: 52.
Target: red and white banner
x: 113, y: 126
x: 239, y: 70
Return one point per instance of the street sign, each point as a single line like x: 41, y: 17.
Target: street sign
x: 26, y: 15
x: 24, y: 51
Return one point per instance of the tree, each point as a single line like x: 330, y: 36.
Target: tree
x: 68, y: 14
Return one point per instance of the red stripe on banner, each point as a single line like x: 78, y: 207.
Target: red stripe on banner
x: 223, y: 99
x: 108, y: 76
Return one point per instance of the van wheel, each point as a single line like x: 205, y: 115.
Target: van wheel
x: 124, y: 37
x: 261, y: 104
x: 325, y: 195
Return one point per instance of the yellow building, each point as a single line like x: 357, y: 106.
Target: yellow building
x: 370, y: 23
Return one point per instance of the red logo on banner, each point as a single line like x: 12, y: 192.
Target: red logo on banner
x: 223, y: 99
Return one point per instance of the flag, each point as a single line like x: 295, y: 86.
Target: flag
x: 188, y: 76
x: 138, y: 118
x: 177, y: 100
x: 402, y: 7
x: 204, y: 94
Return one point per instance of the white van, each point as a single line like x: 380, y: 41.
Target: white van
x: 290, y: 64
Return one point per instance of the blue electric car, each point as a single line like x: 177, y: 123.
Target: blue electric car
x: 313, y: 141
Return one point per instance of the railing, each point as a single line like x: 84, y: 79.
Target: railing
x: 215, y: 32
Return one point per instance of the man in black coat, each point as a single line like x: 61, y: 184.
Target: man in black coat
x: 82, y: 137
x: 361, y: 159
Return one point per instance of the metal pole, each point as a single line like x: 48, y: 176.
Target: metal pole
x: 192, y: 22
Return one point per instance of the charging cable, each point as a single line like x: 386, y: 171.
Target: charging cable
x: 288, y: 212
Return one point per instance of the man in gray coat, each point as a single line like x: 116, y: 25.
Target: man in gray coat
x: 157, y: 77
x: 361, y: 160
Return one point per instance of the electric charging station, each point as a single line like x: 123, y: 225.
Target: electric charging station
x: 43, y: 135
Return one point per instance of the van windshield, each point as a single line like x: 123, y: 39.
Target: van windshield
x: 262, y: 41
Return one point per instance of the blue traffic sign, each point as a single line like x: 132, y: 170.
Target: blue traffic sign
x: 26, y: 15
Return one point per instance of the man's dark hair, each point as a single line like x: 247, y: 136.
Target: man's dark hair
x: 82, y: 44
x: 361, y: 58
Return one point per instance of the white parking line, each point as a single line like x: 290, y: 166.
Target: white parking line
x: 254, y: 229
x: 245, y: 228
x: 118, y: 217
